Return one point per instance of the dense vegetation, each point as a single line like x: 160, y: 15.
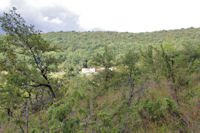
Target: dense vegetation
x: 155, y: 86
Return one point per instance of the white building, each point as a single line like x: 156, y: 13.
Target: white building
x: 88, y: 70
x: 94, y: 70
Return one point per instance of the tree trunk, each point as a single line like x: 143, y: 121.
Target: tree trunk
x: 27, y: 116
x: 1, y: 126
x: 52, y: 92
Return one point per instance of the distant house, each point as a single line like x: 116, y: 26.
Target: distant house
x: 94, y: 70
x: 88, y: 70
x: 100, y: 69
x: 113, y: 68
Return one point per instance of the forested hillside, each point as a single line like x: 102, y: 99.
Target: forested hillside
x: 80, y: 46
x: 155, y: 86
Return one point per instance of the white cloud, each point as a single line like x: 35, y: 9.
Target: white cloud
x: 47, y: 17
x: 118, y: 15
x: 54, y: 20
x: 4, y: 4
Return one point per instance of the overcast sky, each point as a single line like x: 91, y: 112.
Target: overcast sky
x: 107, y: 15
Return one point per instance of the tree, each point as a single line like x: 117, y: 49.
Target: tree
x: 26, y: 61
x: 130, y: 63
x: 105, y: 60
x: 25, y: 51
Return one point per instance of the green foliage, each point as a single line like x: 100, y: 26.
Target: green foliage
x: 105, y: 59
x: 60, y: 118
x: 145, y: 82
x: 105, y: 76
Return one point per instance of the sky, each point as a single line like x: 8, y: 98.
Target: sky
x: 107, y: 15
